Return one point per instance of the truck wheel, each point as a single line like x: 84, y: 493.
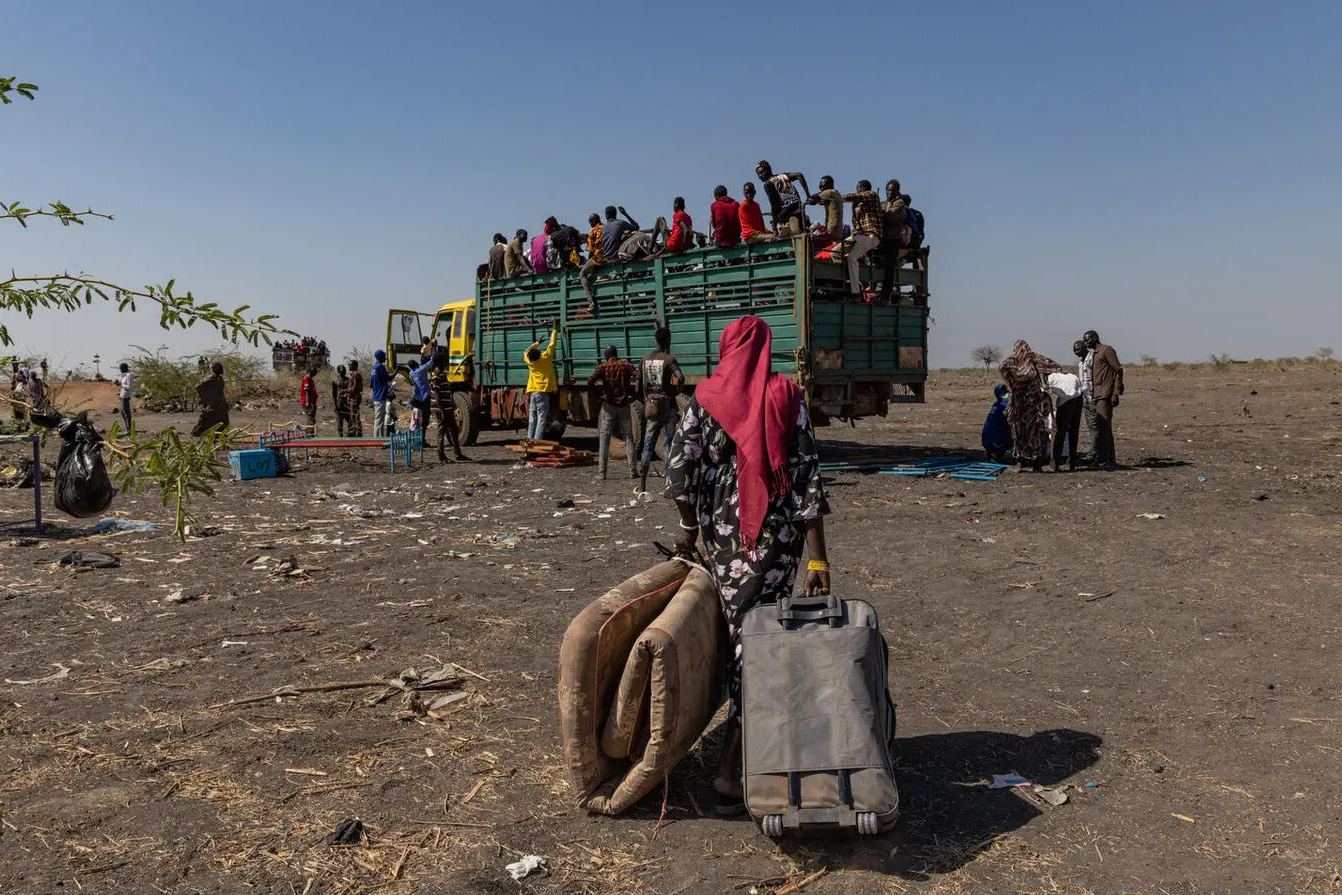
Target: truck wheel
x: 468, y: 428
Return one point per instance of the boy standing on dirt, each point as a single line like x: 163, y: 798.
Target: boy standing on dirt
x: 340, y: 398
x: 382, y: 395
x: 447, y: 417
x: 307, y: 399
x: 617, y: 380
x: 355, y: 393
x: 659, y: 381
x: 127, y: 384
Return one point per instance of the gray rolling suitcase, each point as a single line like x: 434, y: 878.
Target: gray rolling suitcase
x: 817, y: 722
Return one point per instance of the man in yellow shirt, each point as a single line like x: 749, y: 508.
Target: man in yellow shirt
x: 541, y: 383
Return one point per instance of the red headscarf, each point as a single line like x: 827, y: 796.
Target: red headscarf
x: 758, y: 409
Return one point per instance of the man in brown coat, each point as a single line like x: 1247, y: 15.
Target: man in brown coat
x: 1107, y: 382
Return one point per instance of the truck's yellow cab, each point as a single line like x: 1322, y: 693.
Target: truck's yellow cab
x: 453, y: 326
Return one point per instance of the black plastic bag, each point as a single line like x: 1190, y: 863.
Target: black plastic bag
x: 83, y: 487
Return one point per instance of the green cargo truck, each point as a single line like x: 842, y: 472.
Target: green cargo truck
x: 853, y: 357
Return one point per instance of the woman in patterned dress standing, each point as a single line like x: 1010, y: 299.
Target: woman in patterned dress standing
x: 744, y: 473
x: 1025, y: 373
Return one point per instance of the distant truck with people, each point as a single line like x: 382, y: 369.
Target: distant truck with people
x: 300, y: 354
x: 854, y: 353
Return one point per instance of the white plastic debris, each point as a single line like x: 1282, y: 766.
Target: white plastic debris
x: 525, y: 867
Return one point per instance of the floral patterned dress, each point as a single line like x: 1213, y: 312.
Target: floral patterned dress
x: 701, y: 472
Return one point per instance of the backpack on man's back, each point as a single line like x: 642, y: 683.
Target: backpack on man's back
x: 916, y: 231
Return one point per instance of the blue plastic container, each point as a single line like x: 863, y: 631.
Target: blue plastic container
x: 254, y: 464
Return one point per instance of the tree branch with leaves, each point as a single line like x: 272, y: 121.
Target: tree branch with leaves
x: 179, y: 468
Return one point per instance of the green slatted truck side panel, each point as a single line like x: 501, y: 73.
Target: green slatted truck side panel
x: 698, y: 294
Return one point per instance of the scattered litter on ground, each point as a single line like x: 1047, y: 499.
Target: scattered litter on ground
x: 1262, y: 495
x: 347, y: 832
x: 1006, y: 781
x: 1184, y: 817
x: 89, y: 560
x: 525, y: 867
x: 1150, y: 515
x: 112, y: 523
x: 61, y: 672
x: 566, y: 503
x: 1095, y: 598
x: 182, y: 596
x: 228, y: 643
x: 1055, y: 797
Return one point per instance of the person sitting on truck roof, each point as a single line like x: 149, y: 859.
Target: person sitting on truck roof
x: 785, y: 207
x: 496, y: 253
x: 618, y: 381
x: 541, y: 252
x: 753, y: 230
x: 833, y: 202
x: 682, y: 228
x: 724, y: 217
x: 867, y: 229
x: 566, y: 241
x: 515, y: 261
x: 596, y: 258
x: 614, y: 231
x: 541, y: 382
x: 642, y: 244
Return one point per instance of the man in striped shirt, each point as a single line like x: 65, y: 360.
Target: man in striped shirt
x: 617, y: 381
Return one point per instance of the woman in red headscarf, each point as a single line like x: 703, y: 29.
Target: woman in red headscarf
x: 744, y: 472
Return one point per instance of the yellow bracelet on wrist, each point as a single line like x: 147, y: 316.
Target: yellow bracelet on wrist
x: 817, y: 565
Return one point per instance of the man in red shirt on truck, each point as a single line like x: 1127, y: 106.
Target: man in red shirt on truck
x: 753, y: 230
x: 725, y: 219
x: 682, y: 228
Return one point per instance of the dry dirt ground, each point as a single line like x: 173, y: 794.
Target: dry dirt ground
x: 1178, y: 674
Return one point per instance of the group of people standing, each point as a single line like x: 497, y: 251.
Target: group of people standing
x: 1035, y: 383
x: 27, y: 390
x: 655, y: 383
x: 892, y: 226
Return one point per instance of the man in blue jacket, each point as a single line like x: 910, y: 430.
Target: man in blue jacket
x: 380, y: 382
x: 421, y: 397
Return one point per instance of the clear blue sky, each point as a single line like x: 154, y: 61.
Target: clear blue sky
x: 1166, y: 173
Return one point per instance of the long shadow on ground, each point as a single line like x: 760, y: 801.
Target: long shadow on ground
x: 948, y: 815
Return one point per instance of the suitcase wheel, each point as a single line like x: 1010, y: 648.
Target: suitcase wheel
x: 772, y: 825
x: 867, y: 824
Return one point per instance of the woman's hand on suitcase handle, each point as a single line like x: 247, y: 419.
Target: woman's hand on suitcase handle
x: 817, y: 579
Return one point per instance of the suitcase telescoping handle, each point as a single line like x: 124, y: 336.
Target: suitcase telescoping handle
x: 793, y: 610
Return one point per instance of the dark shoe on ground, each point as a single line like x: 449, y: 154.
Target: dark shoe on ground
x: 462, y: 458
